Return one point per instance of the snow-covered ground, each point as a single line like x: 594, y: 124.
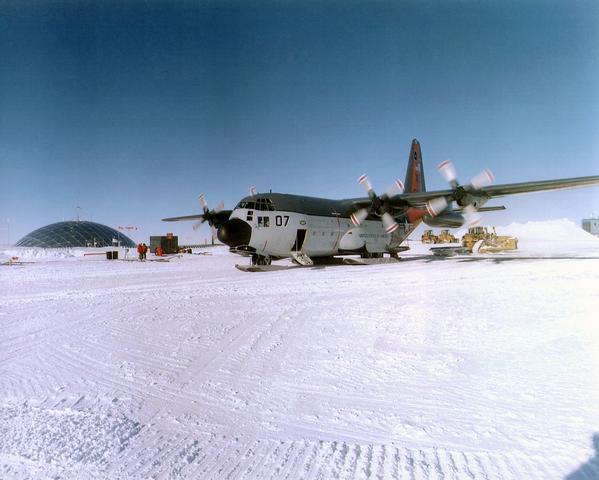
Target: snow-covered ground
x: 468, y: 367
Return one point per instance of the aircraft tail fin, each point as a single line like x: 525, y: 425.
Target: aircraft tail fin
x: 415, y: 173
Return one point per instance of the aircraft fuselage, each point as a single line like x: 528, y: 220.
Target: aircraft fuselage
x: 277, y: 225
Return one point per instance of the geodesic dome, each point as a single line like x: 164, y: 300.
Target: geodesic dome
x: 74, y: 234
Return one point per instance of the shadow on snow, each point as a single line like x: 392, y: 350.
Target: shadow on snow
x: 590, y: 469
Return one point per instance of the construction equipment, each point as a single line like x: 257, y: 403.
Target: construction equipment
x: 446, y: 237
x: 480, y: 240
x: 429, y: 237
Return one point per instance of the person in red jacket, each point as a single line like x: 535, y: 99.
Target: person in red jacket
x: 140, y: 251
x: 159, y: 251
x: 144, y: 250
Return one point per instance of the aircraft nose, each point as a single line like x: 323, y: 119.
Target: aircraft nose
x: 235, y: 232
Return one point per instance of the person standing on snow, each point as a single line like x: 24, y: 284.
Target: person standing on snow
x: 140, y: 251
x: 144, y: 249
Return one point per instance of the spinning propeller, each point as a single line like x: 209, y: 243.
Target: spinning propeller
x: 466, y: 196
x: 378, y: 205
x: 210, y: 216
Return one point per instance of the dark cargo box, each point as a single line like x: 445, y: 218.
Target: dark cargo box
x: 169, y: 243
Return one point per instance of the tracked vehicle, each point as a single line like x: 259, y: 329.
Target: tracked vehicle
x: 429, y: 237
x: 446, y: 237
x: 480, y: 240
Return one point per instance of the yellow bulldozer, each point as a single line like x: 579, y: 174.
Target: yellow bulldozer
x: 480, y: 240
x: 446, y: 237
x: 429, y: 237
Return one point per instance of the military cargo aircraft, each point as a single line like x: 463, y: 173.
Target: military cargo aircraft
x: 272, y: 226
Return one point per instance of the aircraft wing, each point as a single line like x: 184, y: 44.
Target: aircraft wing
x: 540, y: 186
x: 187, y: 217
x: 417, y: 199
x: 214, y: 218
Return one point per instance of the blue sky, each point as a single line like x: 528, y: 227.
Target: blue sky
x: 130, y: 110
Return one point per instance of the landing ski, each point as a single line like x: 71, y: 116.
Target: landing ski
x: 264, y: 268
x: 370, y: 261
x: 449, y: 251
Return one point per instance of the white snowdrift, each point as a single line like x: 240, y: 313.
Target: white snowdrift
x: 558, y: 230
x: 34, y: 253
x: 37, y: 254
x: 548, y: 238
x: 552, y: 238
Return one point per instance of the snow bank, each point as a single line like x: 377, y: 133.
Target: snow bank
x: 548, y: 237
x: 38, y: 254
x: 560, y: 237
x: 558, y: 230
x: 212, y: 250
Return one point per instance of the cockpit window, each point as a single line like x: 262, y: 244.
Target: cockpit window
x: 248, y: 205
x: 265, y: 204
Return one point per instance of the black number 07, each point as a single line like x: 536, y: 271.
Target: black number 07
x: 279, y: 220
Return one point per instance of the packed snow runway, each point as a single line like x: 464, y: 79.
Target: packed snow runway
x: 474, y: 367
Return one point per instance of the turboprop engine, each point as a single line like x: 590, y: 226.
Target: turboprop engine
x: 469, y: 198
x: 378, y: 205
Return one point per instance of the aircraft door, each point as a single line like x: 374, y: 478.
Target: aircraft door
x: 299, y: 240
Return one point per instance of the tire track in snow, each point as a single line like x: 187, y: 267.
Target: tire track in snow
x: 298, y: 446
